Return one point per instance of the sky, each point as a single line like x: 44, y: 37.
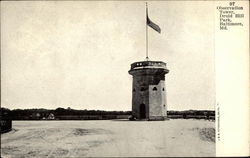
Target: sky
x: 77, y: 54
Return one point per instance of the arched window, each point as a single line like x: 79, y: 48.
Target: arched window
x: 154, y: 89
x: 163, y: 89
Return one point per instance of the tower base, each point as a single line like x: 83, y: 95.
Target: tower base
x: 151, y: 118
x: 157, y: 118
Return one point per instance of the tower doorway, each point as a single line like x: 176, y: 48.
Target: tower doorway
x: 142, y: 111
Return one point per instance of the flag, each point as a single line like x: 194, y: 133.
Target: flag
x: 153, y: 25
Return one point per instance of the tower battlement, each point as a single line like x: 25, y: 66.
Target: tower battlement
x: 157, y: 68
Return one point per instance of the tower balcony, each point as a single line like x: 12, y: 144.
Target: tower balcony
x: 151, y: 64
x: 148, y: 67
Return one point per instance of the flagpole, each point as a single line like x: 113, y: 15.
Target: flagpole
x: 146, y: 32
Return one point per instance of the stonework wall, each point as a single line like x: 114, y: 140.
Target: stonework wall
x: 140, y: 96
x: 153, y: 96
x: 157, y: 99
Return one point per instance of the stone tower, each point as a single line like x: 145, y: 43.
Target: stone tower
x: 149, y: 92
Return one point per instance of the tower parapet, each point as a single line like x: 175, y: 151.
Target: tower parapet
x: 144, y: 64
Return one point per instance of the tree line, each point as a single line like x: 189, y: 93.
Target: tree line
x: 73, y: 114
x: 25, y: 114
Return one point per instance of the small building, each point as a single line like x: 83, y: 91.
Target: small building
x: 51, y: 116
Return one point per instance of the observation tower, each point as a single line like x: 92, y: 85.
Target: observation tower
x: 149, y: 91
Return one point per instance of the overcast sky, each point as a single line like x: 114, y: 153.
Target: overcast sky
x: 77, y: 54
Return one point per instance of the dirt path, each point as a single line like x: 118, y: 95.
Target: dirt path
x: 109, y: 138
